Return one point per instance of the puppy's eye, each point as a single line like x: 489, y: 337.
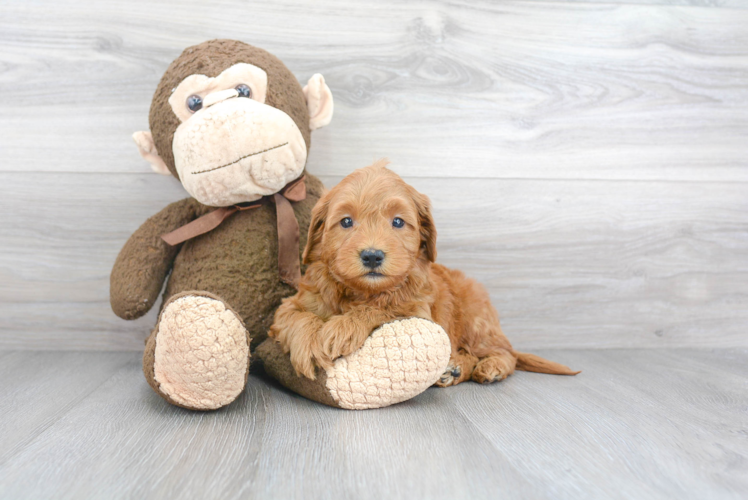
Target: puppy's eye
x: 346, y: 222
x: 398, y: 222
x: 194, y: 103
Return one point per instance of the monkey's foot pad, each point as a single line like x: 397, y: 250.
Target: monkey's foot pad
x: 397, y: 362
x: 201, y: 358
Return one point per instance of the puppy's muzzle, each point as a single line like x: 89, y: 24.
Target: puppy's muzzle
x: 372, y: 258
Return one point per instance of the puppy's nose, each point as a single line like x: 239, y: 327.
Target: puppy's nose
x: 372, y: 258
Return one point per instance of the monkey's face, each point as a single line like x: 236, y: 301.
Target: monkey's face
x: 232, y: 122
x: 231, y: 147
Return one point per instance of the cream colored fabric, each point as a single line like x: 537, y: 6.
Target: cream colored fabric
x: 218, y: 96
x: 319, y: 101
x: 201, y: 353
x: 147, y: 149
x: 201, y: 85
x: 237, y: 150
x: 398, y: 361
x: 234, y: 149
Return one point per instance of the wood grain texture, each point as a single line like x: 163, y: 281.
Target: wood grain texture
x: 727, y: 4
x: 635, y: 424
x: 587, y: 161
x: 568, y: 264
x: 38, y: 388
x: 479, y: 89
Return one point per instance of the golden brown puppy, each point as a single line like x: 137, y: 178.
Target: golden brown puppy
x: 371, y: 252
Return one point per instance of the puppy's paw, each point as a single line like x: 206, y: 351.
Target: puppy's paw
x: 304, y: 365
x: 493, y: 369
x: 305, y: 358
x: 460, y: 368
x: 450, y: 376
x: 341, y: 336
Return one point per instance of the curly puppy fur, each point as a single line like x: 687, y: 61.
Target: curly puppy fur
x: 345, y: 295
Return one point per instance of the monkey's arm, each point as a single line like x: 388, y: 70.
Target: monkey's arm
x: 145, y: 260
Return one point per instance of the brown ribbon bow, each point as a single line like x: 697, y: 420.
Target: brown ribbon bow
x: 289, y: 266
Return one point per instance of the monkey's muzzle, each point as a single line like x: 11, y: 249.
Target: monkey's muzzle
x: 236, y: 151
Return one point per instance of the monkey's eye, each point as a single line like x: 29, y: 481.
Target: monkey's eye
x: 244, y: 90
x: 346, y: 222
x: 194, y: 103
x: 398, y: 222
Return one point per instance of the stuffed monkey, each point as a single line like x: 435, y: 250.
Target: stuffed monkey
x: 233, y: 124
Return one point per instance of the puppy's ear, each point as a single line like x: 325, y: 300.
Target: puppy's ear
x: 316, y: 227
x: 427, y: 227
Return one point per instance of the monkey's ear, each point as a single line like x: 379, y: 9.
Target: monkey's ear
x: 147, y: 149
x: 319, y: 101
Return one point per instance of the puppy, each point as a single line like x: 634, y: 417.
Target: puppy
x: 371, y: 257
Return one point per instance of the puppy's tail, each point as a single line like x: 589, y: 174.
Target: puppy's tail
x: 532, y: 363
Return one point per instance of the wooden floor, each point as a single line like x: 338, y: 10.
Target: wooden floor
x: 636, y: 424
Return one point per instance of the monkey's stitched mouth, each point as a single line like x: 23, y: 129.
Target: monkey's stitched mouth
x: 240, y: 159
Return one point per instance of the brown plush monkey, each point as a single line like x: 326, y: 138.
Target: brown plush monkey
x: 233, y: 124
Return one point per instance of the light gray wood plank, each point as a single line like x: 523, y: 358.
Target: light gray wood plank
x: 38, y: 388
x: 253, y: 448
x: 671, y: 420
x: 60, y: 236
x: 725, y: 4
x: 602, y: 264
x: 635, y: 424
x: 480, y: 89
x: 568, y: 263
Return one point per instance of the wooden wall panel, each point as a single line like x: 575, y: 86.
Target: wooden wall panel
x: 479, y: 89
x: 568, y: 263
x: 587, y: 161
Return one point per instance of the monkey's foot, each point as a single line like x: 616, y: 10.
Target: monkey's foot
x: 397, y: 362
x: 198, y: 355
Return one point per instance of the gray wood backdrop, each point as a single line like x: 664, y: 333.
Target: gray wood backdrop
x: 587, y: 161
